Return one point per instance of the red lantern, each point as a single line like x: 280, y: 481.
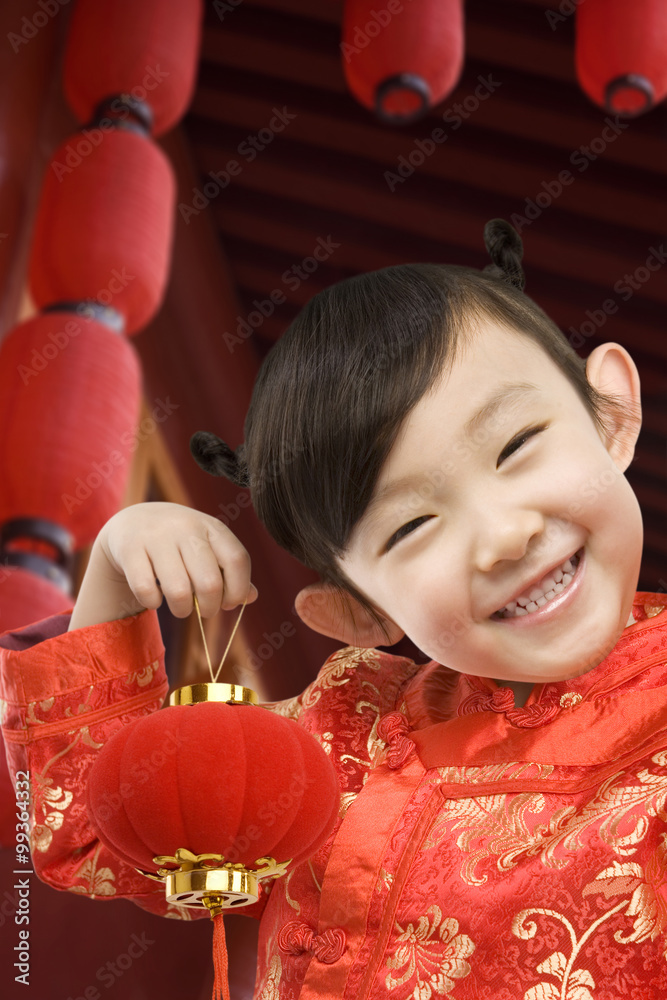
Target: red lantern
x: 27, y: 597
x: 401, y: 64
x: 621, y: 53
x: 232, y: 794
x: 104, y: 225
x: 70, y: 392
x: 146, y: 50
x: 24, y: 598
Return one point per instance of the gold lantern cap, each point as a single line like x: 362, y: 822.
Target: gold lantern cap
x: 231, y: 694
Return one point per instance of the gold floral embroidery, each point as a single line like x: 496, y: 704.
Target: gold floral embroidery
x: 44, y: 705
x: 500, y: 825
x: 646, y: 904
x: 284, y: 882
x: 325, y: 740
x: 515, y: 770
x: 652, y: 610
x: 334, y: 671
x: 385, y: 880
x: 98, y: 880
x: 493, y: 826
x: 271, y: 988
x: 573, y: 983
x: 145, y: 676
x: 290, y: 708
x: 433, y: 962
x: 54, y: 800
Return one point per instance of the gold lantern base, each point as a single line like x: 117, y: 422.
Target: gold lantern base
x: 207, y: 880
x: 222, y: 887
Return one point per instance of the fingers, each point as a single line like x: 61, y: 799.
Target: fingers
x: 228, y: 553
x: 215, y: 568
x: 177, y: 552
x: 141, y: 579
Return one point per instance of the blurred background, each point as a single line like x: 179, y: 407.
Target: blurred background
x: 177, y: 179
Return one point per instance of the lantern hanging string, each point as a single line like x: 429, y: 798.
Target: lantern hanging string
x: 201, y: 626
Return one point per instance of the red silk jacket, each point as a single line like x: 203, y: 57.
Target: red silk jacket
x: 482, y: 851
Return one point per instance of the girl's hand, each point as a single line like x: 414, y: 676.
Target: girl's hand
x: 185, y: 550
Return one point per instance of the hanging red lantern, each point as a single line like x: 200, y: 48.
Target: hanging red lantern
x: 147, y: 51
x: 237, y: 794
x: 621, y: 53
x: 104, y: 225
x: 25, y: 597
x: 70, y: 393
x: 402, y: 59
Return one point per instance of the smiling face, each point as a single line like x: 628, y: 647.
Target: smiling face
x: 497, y: 478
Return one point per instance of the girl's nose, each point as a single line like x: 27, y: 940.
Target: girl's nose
x: 506, y: 535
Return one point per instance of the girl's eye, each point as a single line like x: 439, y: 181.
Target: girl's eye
x: 406, y: 529
x: 518, y: 441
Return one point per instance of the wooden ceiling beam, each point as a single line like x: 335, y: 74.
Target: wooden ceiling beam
x: 639, y: 320
x: 425, y: 217
x: 462, y: 166
x: 525, y: 106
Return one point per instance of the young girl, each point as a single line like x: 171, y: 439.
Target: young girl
x: 424, y: 437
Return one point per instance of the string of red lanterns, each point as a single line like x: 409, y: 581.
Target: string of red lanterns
x: 70, y: 381
x: 401, y: 60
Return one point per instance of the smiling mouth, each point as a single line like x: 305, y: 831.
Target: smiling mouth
x: 543, y: 593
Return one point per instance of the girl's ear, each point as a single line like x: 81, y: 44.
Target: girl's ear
x: 611, y: 370
x: 325, y: 609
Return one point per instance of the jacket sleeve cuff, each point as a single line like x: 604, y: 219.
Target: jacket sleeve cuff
x: 63, y: 697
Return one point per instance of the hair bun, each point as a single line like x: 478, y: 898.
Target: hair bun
x: 505, y: 248
x: 215, y: 457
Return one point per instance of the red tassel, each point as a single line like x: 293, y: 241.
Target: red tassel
x: 220, y: 965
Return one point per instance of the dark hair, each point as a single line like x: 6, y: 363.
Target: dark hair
x: 333, y: 392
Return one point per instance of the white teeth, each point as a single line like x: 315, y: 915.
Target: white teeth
x: 550, y: 586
